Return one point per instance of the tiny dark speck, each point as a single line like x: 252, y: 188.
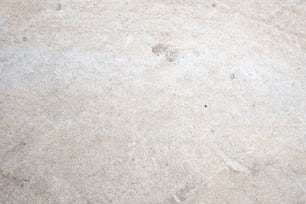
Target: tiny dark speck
x: 59, y: 6
x: 205, y: 106
x: 214, y: 5
x: 24, y: 38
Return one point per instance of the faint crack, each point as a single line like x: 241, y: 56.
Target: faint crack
x: 13, y: 179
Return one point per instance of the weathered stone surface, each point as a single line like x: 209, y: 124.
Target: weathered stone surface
x: 166, y: 101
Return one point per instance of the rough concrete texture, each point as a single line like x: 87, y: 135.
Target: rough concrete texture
x: 154, y: 101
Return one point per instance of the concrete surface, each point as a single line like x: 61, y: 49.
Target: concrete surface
x: 155, y: 101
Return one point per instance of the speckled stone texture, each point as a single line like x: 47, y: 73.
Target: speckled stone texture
x: 152, y: 102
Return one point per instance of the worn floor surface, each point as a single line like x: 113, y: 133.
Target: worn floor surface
x: 155, y: 101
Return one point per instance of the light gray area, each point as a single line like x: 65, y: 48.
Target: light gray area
x: 153, y: 101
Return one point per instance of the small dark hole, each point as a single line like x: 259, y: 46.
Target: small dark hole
x: 205, y: 106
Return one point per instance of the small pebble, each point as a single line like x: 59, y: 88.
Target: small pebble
x: 232, y: 76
